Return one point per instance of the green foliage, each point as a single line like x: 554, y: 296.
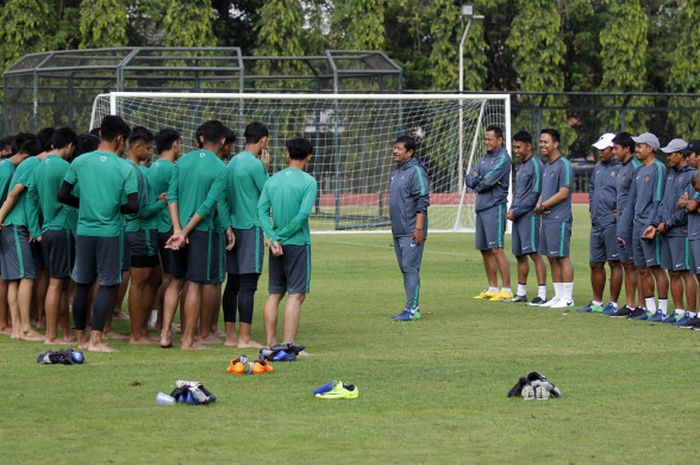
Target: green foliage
x: 446, y: 30
x: 357, y: 25
x: 623, y: 43
x: 25, y: 26
x: 146, y: 19
x: 189, y: 23
x: 684, y: 75
x: 103, y: 23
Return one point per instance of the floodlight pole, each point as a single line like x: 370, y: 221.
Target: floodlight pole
x: 468, y: 11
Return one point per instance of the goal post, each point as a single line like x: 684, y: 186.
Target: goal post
x: 352, y: 135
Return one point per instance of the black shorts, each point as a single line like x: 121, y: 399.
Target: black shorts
x: 38, y: 253
x: 17, y: 257
x: 291, y: 273
x: 167, y: 256
x: 143, y: 243
x: 202, y: 260
x: 58, y: 248
x: 247, y: 255
x: 99, y: 258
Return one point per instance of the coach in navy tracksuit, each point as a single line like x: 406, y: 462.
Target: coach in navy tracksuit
x: 408, y: 206
x: 490, y: 178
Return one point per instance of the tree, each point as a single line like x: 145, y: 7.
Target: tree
x: 684, y: 75
x: 623, y: 43
x: 189, y: 23
x: 446, y: 30
x: 25, y: 26
x: 103, y: 23
x: 358, y: 25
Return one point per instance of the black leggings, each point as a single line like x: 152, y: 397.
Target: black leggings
x: 104, y: 301
x: 240, y: 294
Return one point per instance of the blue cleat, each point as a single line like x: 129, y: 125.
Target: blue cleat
x: 670, y: 318
x: 409, y: 315
x: 638, y: 314
x: 657, y: 317
x: 683, y: 320
x: 588, y: 308
x: 609, y: 309
x: 325, y: 388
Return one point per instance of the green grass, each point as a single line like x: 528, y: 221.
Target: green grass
x: 432, y: 391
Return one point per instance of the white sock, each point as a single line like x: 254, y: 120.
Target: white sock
x: 597, y: 303
x: 614, y: 304
x: 542, y: 292
x: 651, y: 304
x: 692, y: 314
x: 568, y: 291
x: 680, y: 312
x: 663, y: 306
x: 557, y: 290
x: 507, y: 290
x: 522, y: 289
x: 493, y: 289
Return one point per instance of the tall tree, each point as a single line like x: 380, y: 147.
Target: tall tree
x: 684, y: 75
x: 358, y: 25
x: 623, y: 49
x: 446, y: 30
x: 189, y: 23
x: 103, y: 23
x: 538, y: 50
x: 25, y: 26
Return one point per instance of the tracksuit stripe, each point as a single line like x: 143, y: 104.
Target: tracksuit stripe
x: 423, y: 189
x: 308, y: 267
x: 533, y: 247
x: 209, y: 256
x: 500, y: 226
x: 258, y: 261
x: 561, y: 240
x: 18, y: 248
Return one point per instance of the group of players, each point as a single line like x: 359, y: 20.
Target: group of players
x: 86, y: 217
x: 645, y: 223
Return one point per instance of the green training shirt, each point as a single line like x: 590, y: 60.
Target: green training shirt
x: 7, y: 169
x: 245, y: 178
x: 104, y: 180
x: 149, y: 206
x: 21, y: 214
x: 158, y: 177
x: 43, y: 194
x: 285, y: 205
x: 196, y: 186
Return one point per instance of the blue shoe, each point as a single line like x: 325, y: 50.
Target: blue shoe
x: 325, y: 388
x: 658, y: 316
x: 284, y: 356
x: 609, y: 310
x: 638, y: 314
x: 670, y: 318
x: 586, y: 308
x: 683, y: 320
x: 395, y: 315
x: 409, y: 315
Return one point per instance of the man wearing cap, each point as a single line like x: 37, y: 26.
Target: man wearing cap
x: 602, y: 201
x: 691, y: 201
x: 623, y: 147
x: 645, y: 195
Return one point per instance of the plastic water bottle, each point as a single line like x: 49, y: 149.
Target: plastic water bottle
x: 164, y: 399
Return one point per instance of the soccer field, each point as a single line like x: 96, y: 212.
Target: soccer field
x: 432, y: 391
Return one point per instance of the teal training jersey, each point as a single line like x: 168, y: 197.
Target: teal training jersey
x: 149, y: 206
x: 21, y: 214
x: 196, y: 186
x: 104, y: 180
x: 285, y: 205
x: 158, y: 177
x: 7, y: 169
x: 43, y: 194
x: 245, y: 178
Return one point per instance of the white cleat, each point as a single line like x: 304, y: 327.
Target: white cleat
x: 563, y: 304
x: 551, y: 302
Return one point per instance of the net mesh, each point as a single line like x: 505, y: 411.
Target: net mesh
x: 352, y: 137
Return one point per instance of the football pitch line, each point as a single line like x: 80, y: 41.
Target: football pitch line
x: 376, y: 246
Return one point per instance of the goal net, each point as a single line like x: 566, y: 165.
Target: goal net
x: 352, y: 135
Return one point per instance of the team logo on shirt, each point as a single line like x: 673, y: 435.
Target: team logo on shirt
x: 647, y: 178
x: 288, y: 173
x: 103, y: 158
x: 202, y: 155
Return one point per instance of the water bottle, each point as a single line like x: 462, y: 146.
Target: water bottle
x: 164, y: 399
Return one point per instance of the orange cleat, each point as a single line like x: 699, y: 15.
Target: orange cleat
x: 237, y: 367
x: 262, y: 366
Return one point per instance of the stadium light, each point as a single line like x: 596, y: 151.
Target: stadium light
x: 468, y: 12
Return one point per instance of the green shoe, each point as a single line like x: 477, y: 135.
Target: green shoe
x: 340, y: 391
x: 596, y: 308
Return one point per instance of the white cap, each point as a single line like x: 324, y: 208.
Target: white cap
x: 605, y: 141
x: 647, y: 138
x: 676, y: 145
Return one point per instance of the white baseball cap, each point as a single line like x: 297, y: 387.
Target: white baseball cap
x: 605, y: 141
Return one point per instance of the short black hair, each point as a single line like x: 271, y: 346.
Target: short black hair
x: 63, y: 136
x: 198, y: 134
x: 20, y: 139
x: 230, y: 136
x: 408, y: 142
x: 140, y: 133
x: 95, y: 132
x: 523, y: 136
x: 255, y: 131
x: 213, y: 131
x: 45, y: 137
x: 32, y: 147
x: 86, y: 143
x: 299, y: 148
x: 552, y: 132
x: 6, y: 142
x: 496, y: 130
x: 113, y: 126
x: 624, y: 139
x: 165, y: 138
